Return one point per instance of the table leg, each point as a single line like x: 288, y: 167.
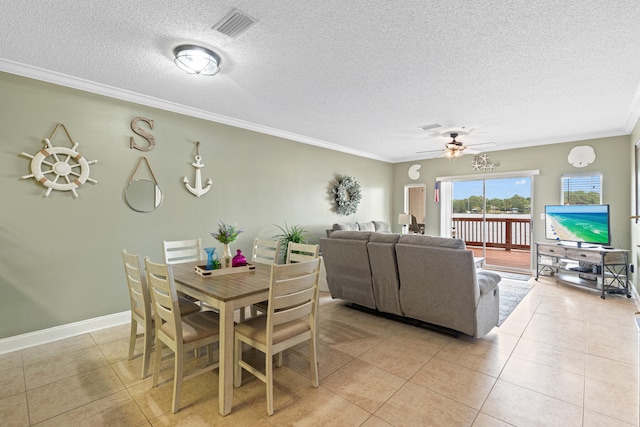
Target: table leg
x: 225, y: 385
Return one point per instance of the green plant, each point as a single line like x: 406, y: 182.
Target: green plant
x: 226, y: 233
x: 294, y: 233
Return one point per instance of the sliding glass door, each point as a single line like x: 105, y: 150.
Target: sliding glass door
x: 493, y: 217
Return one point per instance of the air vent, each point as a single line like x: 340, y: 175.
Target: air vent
x: 430, y: 126
x: 234, y: 23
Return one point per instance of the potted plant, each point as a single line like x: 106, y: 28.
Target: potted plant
x: 226, y: 234
x: 294, y: 233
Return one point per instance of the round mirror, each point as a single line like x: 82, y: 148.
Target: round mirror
x: 143, y: 195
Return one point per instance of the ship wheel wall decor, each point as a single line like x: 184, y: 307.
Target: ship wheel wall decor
x: 59, y: 168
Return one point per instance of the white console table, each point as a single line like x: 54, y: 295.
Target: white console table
x: 596, y: 268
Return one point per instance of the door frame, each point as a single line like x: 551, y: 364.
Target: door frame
x: 406, y: 197
x: 446, y: 196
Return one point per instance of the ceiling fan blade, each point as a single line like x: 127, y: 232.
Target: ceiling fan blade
x: 487, y: 144
x: 429, y: 151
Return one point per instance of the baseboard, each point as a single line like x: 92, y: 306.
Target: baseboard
x: 44, y: 336
x: 635, y: 296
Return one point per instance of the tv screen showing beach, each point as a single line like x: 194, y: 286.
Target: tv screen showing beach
x: 579, y: 223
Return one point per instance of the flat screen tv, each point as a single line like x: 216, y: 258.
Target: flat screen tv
x: 587, y: 224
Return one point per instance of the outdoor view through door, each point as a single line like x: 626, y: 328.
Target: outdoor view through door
x: 493, y: 217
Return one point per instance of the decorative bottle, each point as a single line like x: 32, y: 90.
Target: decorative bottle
x: 239, y: 260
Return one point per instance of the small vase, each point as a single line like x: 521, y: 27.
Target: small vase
x: 239, y: 260
x: 210, y: 260
x: 226, y: 256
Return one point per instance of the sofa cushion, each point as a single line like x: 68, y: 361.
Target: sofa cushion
x: 384, y: 238
x: 353, y: 226
x: 366, y: 226
x: 346, y: 261
x: 382, y: 226
x: 440, y: 242
x: 384, y: 272
x: 351, y: 235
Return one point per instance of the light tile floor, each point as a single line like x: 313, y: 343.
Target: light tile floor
x: 564, y: 357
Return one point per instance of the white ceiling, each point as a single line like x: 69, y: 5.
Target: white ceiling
x: 358, y: 76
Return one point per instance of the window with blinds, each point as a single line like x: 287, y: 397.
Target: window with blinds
x: 582, y: 189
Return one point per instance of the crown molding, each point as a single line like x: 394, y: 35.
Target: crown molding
x: 149, y: 101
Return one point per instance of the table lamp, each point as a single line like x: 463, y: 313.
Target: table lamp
x: 404, y: 219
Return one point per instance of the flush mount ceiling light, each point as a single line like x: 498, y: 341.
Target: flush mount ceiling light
x: 197, y: 60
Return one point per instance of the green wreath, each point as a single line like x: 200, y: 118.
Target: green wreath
x: 347, y: 194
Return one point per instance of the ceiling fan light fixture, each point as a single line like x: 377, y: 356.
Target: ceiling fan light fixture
x: 197, y: 60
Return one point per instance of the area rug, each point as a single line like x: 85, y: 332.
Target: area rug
x: 513, y: 276
x: 511, y: 293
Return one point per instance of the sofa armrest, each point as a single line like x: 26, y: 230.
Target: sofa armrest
x: 487, y: 281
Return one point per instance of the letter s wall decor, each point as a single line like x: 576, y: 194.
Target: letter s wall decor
x: 139, y: 131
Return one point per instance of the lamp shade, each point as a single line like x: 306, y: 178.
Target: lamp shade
x: 404, y: 219
x: 197, y: 60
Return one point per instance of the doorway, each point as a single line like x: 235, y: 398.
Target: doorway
x: 493, y: 215
x: 415, y: 204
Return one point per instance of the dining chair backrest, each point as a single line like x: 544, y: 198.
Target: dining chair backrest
x: 300, y: 252
x: 293, y: 293
x: 265, y: 251
x: 165, y: 300
x: 177, y: 251
x: 137, y: 283
x: 140, y: 308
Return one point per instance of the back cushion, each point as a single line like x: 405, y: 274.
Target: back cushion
x: 366, y: 226
x: 353, y: 226
x: 440, y: 242
x: 350, y: 235
x: 382, y: 226
x: 384, y: 238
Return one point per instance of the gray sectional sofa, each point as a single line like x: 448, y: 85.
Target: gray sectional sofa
x: 426, y: 278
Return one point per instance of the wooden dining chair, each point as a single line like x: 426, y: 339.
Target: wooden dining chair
x: 290, y: 320
x: 176, y: 251
x: 141, y: 311
x: 265, y: 251
x: 300, y: 252
x: 178, y: 333
x: 296, y: 252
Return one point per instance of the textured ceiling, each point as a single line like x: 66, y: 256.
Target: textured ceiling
x: 360, y: 76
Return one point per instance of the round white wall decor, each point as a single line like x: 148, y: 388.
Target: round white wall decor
x: 581, y: 156
x: 59, y: 168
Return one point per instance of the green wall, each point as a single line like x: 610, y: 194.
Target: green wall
x: 60, y: 257
x: 612, y: 161
x: 61, y: 260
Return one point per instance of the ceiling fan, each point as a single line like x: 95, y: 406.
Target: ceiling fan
x: 455, y: 148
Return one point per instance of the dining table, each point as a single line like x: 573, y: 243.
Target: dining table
x: 226, y: 293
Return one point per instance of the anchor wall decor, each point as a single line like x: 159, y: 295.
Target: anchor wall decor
x: 198, y: 190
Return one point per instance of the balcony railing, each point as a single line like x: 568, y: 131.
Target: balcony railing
x: 506, y: 233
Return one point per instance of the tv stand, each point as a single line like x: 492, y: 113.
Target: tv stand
x: 601, y: 269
